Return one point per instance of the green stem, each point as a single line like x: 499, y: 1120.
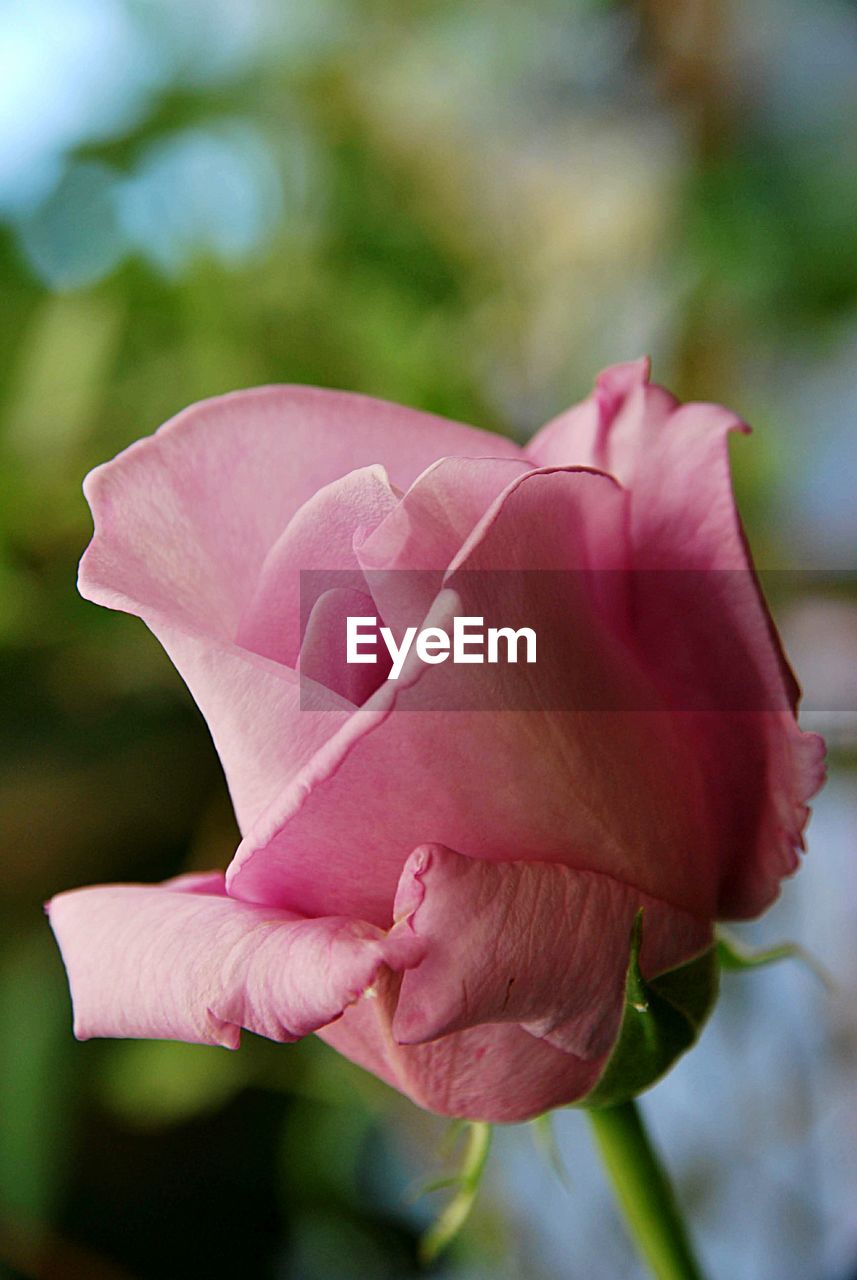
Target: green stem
x: 644, y: 1192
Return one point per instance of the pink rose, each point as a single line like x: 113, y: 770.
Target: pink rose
x: 445, y: 896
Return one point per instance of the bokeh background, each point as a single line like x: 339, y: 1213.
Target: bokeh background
x: 468, y: 206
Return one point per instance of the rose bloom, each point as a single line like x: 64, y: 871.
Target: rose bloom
x: 445, y: 896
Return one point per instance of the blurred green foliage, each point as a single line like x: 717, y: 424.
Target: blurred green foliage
x: 467, y: 208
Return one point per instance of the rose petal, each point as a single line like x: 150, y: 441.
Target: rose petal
x: 405, y: 556
x: 582, y: 436
x: 499, y: 1073
x: 487, y: 959
x: 688, y: 545
x: 264, y: 724
x: 185, y: 518
x: 323, y: 656
x: 181, y: 961
x: 724, y: 661
x: 442, y: 507
x: 319, y: 537
x: 596, y: 788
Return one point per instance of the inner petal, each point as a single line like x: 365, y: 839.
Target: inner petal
x: 405, y: 557
x: 319, y: 537
x: 323, y: 649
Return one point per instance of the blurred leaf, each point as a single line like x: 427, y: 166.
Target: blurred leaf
x: 331, y: 1246
x: 37, y: 1084
x: 330, y: 1138
x: 151, y: 1083
x: 63, y: 366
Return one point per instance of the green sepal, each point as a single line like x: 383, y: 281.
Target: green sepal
x: 736, y: 956
x: 662, y: 1019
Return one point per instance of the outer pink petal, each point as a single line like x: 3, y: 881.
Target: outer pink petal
x: 528, y: 942
x: 264, y: 724
x: 691, y: 563
x: 582, y: 435
x: 181, y: 961
x: 597, y: 790
x: 683, y: 517
x: 674, y: 461
x: 184, y: 520
x: 497, y: 1073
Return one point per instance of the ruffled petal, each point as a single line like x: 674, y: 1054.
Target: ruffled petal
x: 182, y: 961
x: 528, y: 942
x: 582, y: 436
x: 500, y: 1073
